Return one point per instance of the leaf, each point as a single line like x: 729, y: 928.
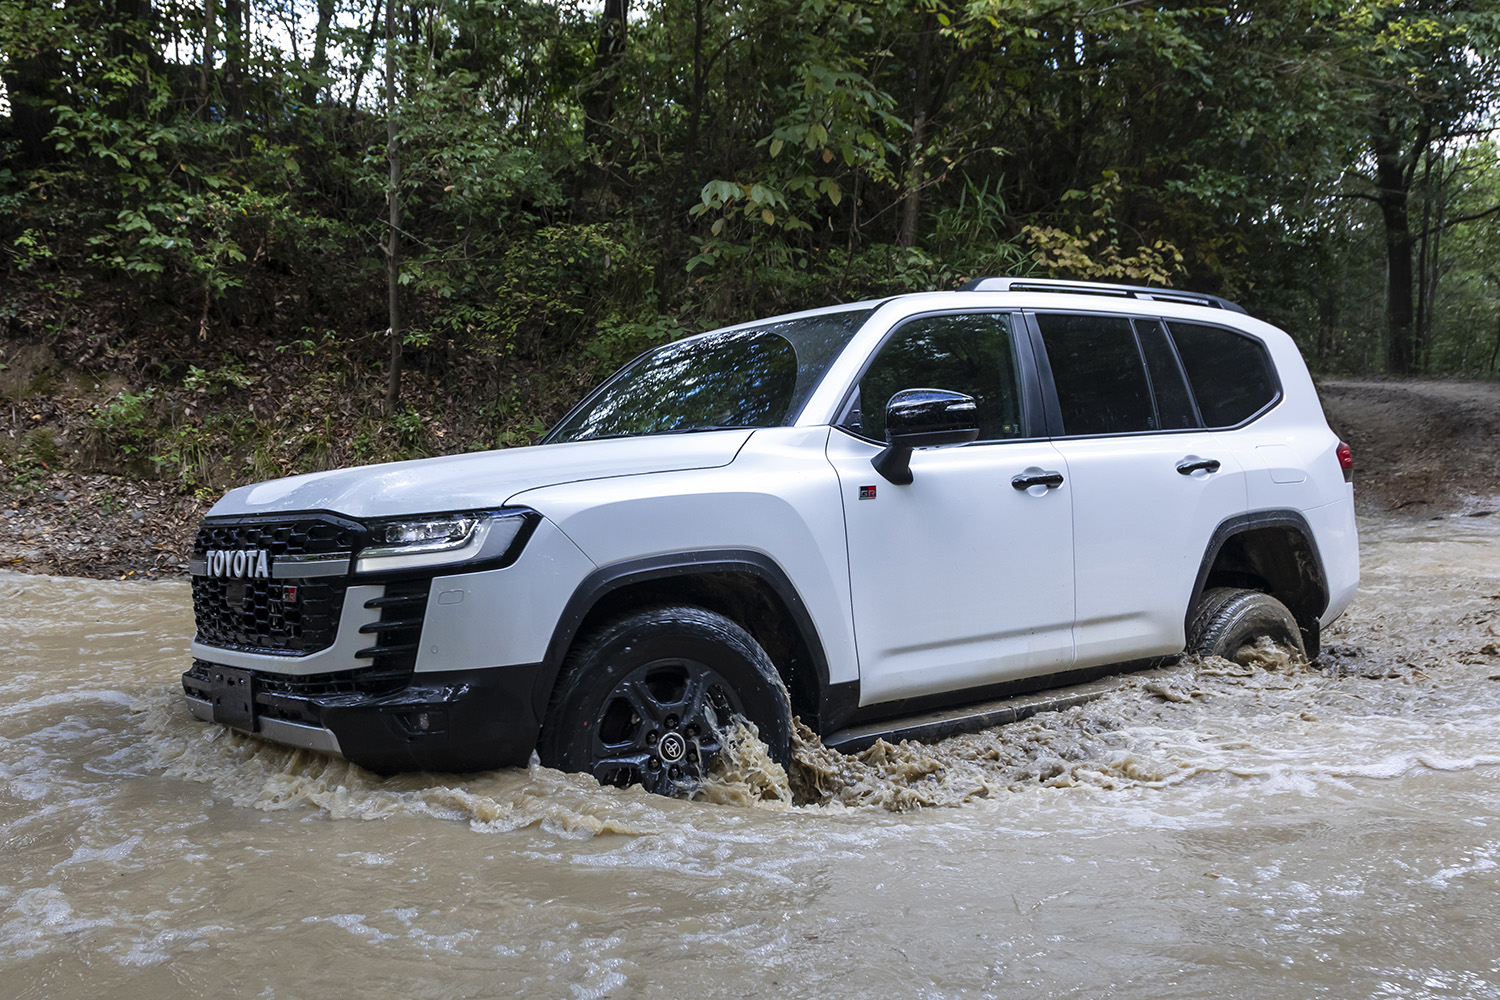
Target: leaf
x: 776, y: 145
x: 721, y: 191
x: 835, y: 194
x: 827, y: 156
x: 718, y: 227
x: 768, y: 217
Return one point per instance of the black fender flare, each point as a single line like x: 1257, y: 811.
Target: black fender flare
x: 1242, y: 523
x: 606, y: 579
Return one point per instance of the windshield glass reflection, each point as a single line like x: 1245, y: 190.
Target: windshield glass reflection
x: 755, y: 377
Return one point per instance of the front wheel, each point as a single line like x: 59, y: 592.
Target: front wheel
x: 1226, y: 620
x: 647, y: 699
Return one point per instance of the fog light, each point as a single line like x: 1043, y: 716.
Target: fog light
x: 424, y: 722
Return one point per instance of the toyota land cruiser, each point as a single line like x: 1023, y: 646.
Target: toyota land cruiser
x: 848, y: 514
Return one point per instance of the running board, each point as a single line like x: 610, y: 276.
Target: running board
x: 933, y: 726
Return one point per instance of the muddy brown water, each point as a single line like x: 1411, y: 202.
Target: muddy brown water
x: 1210, y: 829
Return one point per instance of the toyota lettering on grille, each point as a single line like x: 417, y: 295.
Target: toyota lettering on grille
x: 243, y: 563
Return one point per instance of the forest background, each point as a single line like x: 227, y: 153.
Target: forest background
x: 244, y: 238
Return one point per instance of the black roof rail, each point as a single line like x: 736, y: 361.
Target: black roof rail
x: 1100, y: 288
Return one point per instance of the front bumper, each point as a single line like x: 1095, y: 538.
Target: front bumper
x: 470, y: 720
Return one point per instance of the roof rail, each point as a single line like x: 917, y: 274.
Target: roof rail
x: 1100, y: 288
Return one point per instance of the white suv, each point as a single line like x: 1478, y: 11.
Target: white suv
x: 850, y: 515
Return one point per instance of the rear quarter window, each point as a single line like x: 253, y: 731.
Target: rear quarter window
x: 1230, y: 373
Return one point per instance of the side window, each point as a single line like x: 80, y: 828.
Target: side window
x: 1230, y: 373
x: 1174, y: 407
x: 1100, y: 377
x: 971, y: 353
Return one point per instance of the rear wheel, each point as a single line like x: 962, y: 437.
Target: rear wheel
x: 1227, y: 620
x: 648, y: 698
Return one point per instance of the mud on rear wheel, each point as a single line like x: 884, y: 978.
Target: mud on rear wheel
x: 648, y: 698
x: 1227, y: 619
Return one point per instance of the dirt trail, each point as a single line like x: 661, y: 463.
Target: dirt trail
x: 1420, y: 444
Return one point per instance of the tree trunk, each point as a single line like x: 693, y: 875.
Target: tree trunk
x: 700, y: 81
x: 598, y: 99
x: 319, y: 66
x: 393, y: 197
x: 911, y: 208
x: 1328, y: 317
x: 366, y: 58
x: 234, y: 58
x: 1431, y: 272
x: 1495, y: 354
x: 210, y: 44
x: 131, y: 51
x: 1422, y: 248
x: 1393, y: 194
x: 31, y: 83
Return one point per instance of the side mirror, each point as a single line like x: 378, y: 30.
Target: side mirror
x: 923, y: 418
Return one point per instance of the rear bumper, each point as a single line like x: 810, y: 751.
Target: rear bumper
x: 1337, y: 538
x: 470, y: 720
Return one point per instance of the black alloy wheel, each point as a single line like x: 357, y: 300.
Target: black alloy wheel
x: 646, y: 700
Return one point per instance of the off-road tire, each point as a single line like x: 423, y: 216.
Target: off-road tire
x: 1227, y: 619
x: 625, y: 686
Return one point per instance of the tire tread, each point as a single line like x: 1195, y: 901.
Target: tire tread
x: 1223, y: 611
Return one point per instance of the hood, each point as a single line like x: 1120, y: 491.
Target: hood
x: 479, y: 479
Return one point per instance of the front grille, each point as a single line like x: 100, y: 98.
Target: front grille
x: 282, y: 616
x: 291, y: 617
x: 323, y: 536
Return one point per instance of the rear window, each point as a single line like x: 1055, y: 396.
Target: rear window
x: 1230, y: 373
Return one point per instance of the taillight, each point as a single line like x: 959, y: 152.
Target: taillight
x: 1346, y: 462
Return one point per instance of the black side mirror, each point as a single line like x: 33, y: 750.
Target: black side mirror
x: 923, y: 418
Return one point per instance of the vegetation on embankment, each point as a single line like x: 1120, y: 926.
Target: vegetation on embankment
x: 224, y: 222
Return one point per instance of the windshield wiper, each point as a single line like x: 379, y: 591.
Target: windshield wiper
x: 696, y: 428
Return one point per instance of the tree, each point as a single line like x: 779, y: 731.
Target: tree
x: 393, y: 198
x: 1424, y: 74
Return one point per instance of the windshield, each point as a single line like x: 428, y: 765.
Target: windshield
x: 754, y: 377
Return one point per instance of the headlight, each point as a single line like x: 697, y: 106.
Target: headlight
x: 444, y: 540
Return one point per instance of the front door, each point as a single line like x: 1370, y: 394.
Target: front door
x: 959, y: 578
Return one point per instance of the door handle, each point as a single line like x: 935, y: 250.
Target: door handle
x: 1037, y: 477
x: 1193, y: 464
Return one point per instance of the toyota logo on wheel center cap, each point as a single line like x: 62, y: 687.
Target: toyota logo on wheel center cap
x: 671, y: 748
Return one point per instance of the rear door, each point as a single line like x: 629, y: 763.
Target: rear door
x: 959, y: 578
x: 1149, y: 484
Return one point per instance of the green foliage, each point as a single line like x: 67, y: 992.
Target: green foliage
x: 41, y: 447
x: 28, y: 249
x: 109, y: 502
x: 616, y: 341
x: 231, y: 375
x: 567, y: 205
x: 125, y: 421
x: 554, y: 287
